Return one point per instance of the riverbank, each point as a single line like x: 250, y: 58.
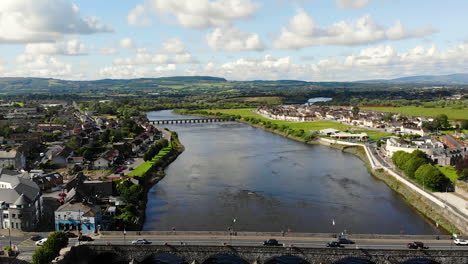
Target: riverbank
x: 433, y: 212
x: 156, y: 173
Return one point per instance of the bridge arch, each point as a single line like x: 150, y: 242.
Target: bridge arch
x: 108, y: 257
x: 354, y: 260
x: 163, y: 258
x: 225, y: 258
x: 420, y: 261
x: 286, y: 259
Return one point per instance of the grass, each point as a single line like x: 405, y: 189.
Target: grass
x: 422, y: 111
x: 141, y: 170
x: 449, y: 172
x: 307, y: 126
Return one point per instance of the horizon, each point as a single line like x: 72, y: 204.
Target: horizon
x: 239, y: 40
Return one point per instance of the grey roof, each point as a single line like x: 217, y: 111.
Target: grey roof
x: 20, y: 186
x: 22, y: 200
x: 11, y: 154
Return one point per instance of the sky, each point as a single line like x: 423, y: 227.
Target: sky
x: 312, y: 40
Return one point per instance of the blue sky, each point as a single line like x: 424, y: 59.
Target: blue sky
x: 317, y: 40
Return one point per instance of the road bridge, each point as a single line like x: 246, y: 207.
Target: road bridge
x: 85, y: 254
x: 189, y: 120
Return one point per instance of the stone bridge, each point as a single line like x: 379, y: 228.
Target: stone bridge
x: 191, y: 120
x: 190, y: 254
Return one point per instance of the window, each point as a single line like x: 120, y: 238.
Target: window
x: 5, y: 215
x: 13, y: 215
x: 20, y: 216
x: 16, y: 225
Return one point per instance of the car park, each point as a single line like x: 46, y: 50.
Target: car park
x: 460, y: 242
x: 41, y: 242
x: 334, y: 244
x: 141, y: 241
x: 271, y: 242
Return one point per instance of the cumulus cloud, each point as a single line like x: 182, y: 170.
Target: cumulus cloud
x: 132, y: 71
x: 107, y: 51
x: 352, y: 3
x: 138, y: 16
x: 174, y: 45
x: 127, y: 43
x: 232, y: 39
x: 142, y: 56
x: 46, y: 66
x: 71, y: 47
x: 23, y: 21
x: 302, y: 31
x: 196, y: 13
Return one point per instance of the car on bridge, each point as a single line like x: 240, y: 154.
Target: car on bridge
x: 271, y: 242
x: 85, y: 238
x: 460, y: 242
x: 343, y: 240
x: 141, y: 241
x: 416, y: 245
x: 41, y: 242
x: 334, y: 244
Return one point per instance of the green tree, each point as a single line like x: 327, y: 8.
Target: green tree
x: 442, y: 121
x: 42, y: 255
x: 355, y: 110
x: 464, y: 124
x: 430, y: 177
x: 412, y: 165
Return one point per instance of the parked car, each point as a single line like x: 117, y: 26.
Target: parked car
x: 416, y: 245
x: 141, y: 241
x: 460, y: 242
x: 271, y: 242
x: 70, y: 234
x: 41, y: 242
x: 35, y: 237
x: 343, y: 240
x: 85, y: 238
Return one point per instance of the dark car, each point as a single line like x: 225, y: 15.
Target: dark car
x: 70, y: 234
x: 416, y: 245
x: 334, y: 244
x: 343, y: 240
x: 85, y: 238
x: 36, y: 238
x: 271, y: 242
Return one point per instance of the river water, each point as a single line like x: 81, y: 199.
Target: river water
x: 269, y: 183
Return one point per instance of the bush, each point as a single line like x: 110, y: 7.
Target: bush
x: 430, y: 177
x: 51, y: 248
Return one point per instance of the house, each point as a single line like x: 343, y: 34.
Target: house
x: 78, y: 216
x: 13, y: 158
x: 48, y: 181
x: 20, y: 201
x: 106, y: 160
x: 428, y: 145
x: 58, y: 154
x: 413, y: 130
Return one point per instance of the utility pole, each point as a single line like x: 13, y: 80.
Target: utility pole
x: 9, y: 232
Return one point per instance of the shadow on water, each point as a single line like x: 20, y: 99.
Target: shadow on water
x: 164, y: 258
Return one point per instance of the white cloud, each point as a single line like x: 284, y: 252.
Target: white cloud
x: 32, y: 65
x: 23, y: 21
x: 127, y: 43
x: 132, y: 71
x: 352, y: 3
x: 232, y: 39
x: 138, y: 16
x: 71, y: 47
x: 304, y: 32
x: 144, y: 57
x: 107, y: 51
x: 174, y: 45
x: 197, y: 13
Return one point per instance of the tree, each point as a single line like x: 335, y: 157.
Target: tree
x: 51, y: 248
x: 88, y: 154
x: 412, y: 165
x: 430, y: 177
x: 464, y: 124
x: 355, y: 110
x: 442, y: 121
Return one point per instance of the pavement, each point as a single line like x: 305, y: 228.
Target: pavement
x: 450, y: 198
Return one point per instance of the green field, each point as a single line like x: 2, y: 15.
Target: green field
x: 141, y: 170
x: 449, y: 172
x: 307, y: 126
x: 422, y: 111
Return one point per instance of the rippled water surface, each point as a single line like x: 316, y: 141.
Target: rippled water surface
x: 270, y: 183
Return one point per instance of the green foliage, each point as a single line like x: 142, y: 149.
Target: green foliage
x: 430, y: 177
x: 355, y: 110
x: 464, y: 174
x: 409, y: 162
x: 141, y: 170
x: 51, y: 248
x: 464, y: 124
x: 155, y: 148
x: 449, y: 172
x: 452, y: 113
x: 412, y: 165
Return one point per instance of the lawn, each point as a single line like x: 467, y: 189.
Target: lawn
x: 141, y: 170
x: 449, y: 172
x: 422, y: 111
x: 307, y: 126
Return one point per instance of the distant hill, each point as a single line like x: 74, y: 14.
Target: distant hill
x: 451, y: 79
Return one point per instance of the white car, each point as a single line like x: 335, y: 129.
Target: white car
x: 41, y: 242
x: 460, y: 242
x: 141, y: 242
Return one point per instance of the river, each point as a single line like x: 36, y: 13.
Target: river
x: 270, y: 183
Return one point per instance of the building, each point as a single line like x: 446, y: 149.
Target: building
x: 77, y: 216
x: 20, y: 201
x: 12, y: 158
